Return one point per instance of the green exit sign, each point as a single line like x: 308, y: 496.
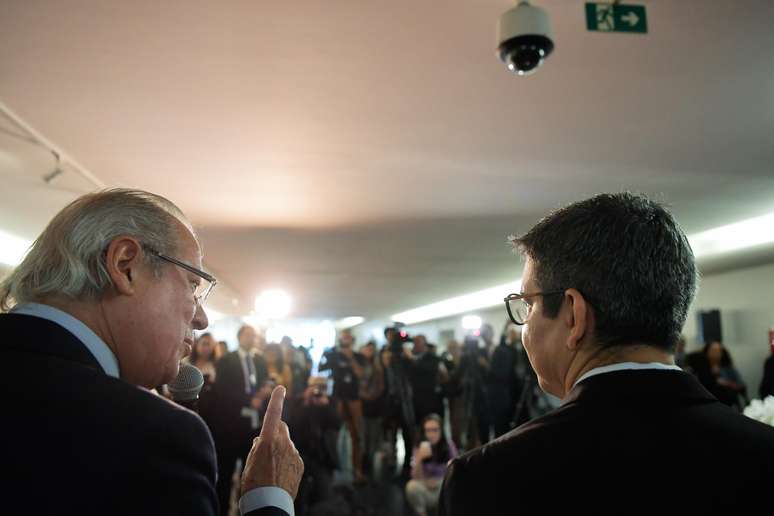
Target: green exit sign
x: 607, y: 17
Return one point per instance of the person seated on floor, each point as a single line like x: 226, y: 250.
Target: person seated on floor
x: 429, y: 463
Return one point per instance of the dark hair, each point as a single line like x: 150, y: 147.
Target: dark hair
x: 242, y: 329
x: 725, y: 356
x: 440, y: 450
x: 195, y: 351
x: 628, y: 258
x: 277, y: 349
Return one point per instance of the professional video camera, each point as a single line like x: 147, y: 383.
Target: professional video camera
x: 396, y: 337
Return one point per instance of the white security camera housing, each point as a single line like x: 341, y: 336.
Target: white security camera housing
x: 524, y: 38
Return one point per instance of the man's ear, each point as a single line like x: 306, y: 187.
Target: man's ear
x: 123, y: 259
x: 577, y: 317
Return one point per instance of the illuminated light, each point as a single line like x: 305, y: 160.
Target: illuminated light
x: 733, y: 237
x: 272, y: 304
x: 12, y: 249
x: 471, y: 322
x: 457, y: 305
x: 349, y: 322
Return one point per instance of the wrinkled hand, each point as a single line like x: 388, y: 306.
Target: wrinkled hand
x: 273, y: 460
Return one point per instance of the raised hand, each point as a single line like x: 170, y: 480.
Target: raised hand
x: 273, y: 459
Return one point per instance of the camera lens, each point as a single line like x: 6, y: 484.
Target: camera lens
x: 524, y: 59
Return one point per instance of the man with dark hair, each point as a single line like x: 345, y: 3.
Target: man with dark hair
x: 606, y: 288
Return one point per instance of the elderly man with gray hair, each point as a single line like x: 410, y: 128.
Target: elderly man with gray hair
x: 102, y: 309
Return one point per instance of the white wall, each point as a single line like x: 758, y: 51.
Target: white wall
x: 745, y: 298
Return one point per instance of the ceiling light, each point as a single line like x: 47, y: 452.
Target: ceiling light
x: 469, y: 302
x: 733, y: 237
x: 349, y: 322
x: 471, y: 322
x: 12, y: 249
x: 272, y: 304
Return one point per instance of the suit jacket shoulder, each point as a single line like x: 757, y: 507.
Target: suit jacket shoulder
x: 644, y: 436
x: 83, y: 442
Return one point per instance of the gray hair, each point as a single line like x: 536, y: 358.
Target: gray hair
x: 68, y: 258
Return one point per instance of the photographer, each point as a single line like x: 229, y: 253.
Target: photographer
x: 471, y: 375
x: 313, y: 424
x: 347, y: 369
x: 399, y: 410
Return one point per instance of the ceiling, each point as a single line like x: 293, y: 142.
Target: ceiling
x: 370, y: 157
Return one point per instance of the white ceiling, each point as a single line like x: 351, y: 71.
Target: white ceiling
x: 369, y: 156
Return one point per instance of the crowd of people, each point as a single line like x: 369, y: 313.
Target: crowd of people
x: 403, y: 390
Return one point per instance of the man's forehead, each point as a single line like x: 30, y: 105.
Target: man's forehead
x: 527, y: 278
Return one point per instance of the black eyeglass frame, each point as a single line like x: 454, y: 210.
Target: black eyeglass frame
x: 514, y: 297
x: 190, y: 268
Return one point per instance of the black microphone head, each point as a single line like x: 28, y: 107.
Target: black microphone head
x: 187, y: 384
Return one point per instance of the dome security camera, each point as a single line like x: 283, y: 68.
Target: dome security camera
x: 524, y: 38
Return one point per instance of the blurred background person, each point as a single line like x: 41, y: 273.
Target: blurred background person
x: 767, y: 382
x: 429, y: 462
x: 452, y: 390
x: 471, y: 375
x: 372, y: 396
x: 732, y: 388
x: 347, y: 367
x: 221, y: 348
x: 313, y: 423
x: 299, y: 362
x: 502, y: 379
x: 203, y: 357
x: 399, y: 406
x: 277, y: 370
x: 239, y: 391
x: 425, y: 374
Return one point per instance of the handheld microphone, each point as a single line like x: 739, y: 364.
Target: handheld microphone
x: 186, y: 386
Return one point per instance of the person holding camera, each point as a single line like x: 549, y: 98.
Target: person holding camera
x: 347, y: 368
x: 313, y: 424
x: 428, y: 465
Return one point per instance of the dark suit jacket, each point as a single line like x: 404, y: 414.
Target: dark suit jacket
x: 77, y: 441
x: 231, y: 429
x: 630, y: 442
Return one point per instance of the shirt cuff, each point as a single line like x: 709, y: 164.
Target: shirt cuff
x: 269, y: 496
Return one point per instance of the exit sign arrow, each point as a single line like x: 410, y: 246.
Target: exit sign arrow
x: 612, y: 17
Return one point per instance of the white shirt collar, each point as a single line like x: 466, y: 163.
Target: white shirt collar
x: 625, y: 366
x: 96, y: 346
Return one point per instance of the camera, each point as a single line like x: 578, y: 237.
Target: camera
x: 524, y: 38
x: 399, y: 339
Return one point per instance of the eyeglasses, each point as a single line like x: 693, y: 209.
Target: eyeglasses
x: 518, y: 309
x: 432, y: 429
x: 202, y: 289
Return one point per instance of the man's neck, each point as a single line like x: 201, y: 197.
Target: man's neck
x: 599, y: 357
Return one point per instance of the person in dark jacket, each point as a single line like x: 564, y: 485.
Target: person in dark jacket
x: 606, y: 289
x: 102, y: 309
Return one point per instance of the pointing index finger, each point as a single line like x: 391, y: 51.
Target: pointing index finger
x: 273, y: 412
